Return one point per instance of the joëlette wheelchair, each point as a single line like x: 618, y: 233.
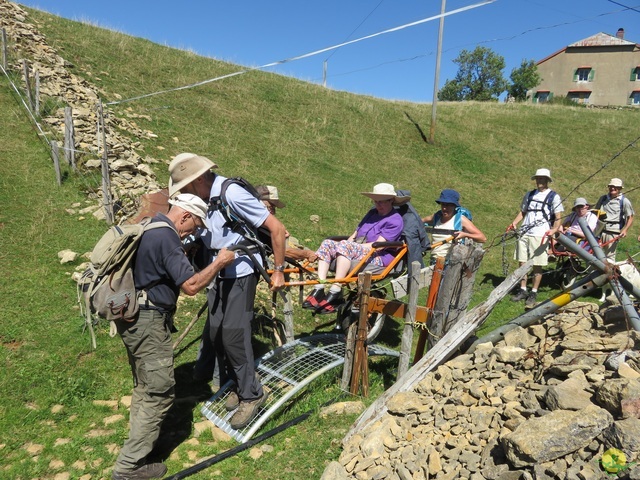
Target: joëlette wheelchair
x: 570, y: 266
x: 348, y: 311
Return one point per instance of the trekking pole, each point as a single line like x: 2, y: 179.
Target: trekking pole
x: 191, y: 324
x: 257, y: 265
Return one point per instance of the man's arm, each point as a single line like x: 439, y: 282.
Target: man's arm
x: 278, y: 243
x: 204, y: 277
x: 516, y: 221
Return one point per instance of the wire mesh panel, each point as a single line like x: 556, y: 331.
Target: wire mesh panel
x: 284, y: 372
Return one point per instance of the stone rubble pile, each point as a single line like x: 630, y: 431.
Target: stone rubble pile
x: 131, y: 174
x: 544, y: 403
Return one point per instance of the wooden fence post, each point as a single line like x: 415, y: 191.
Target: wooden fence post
x: 27, y: 81
x: 455, y: 290
x: 360, y: 375
x: 4, y: 48
x: 37, y: 92
x: 431, y: 302
x: 56, y: 161
x: 106, y: 181
x: 350, y: 343
x: 69, y: 138
x: 410, y: 319
x: 288, y: 319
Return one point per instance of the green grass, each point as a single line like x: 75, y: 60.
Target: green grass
x: 320, y: 147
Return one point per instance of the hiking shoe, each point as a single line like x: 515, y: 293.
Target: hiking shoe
x: 313, y: 299
x: 232, y: 401
x: 521, y: 295
x: 531, y: 301
x: 150, y: 470
x: 247, y: 410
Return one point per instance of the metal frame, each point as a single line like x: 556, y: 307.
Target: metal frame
x: 285, y: 371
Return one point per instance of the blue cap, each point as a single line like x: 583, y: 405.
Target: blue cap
x: 449, y: 196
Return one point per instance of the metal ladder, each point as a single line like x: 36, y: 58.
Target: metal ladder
x: 285, y: 371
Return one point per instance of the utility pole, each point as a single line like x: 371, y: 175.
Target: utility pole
x: 432, y: 129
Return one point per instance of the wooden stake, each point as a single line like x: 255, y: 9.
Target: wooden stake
x: 361, y: 360
x: 431, y: 302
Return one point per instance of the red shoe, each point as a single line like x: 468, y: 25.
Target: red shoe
x: 312, y: 302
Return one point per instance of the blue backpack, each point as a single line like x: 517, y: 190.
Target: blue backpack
x: 457, y: 222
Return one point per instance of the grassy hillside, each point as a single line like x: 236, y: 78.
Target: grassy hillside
x: 321, y: 148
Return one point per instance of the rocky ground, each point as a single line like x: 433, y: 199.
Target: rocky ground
x: 544, y: 403
x: 60, y: 84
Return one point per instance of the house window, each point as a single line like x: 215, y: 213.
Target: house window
x: 579, y: 96
x: 635, y: 97
x: 635, y: 74
x: 541, y: 96
x: 583, y: 74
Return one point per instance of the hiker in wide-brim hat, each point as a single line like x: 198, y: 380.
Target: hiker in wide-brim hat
x: 232, y: 296
x: 382, y: 223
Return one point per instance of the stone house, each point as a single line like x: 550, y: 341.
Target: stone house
x: 600, y: 70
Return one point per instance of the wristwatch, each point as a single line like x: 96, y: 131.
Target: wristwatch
x: 279, y: 268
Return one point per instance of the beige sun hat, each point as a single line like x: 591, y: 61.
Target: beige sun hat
x: 615, y: 182
x: 191, y: 203
x: 185, y: 168
x: 542, y: 172
x: 269, y: 193
x: 385, y: 191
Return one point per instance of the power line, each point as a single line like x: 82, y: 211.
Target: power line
x: 625, y: 6
x: 481, y: 42
x: 306, y: 55
x: 356, y: 29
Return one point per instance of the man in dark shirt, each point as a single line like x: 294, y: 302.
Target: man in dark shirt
x: 161, y: 270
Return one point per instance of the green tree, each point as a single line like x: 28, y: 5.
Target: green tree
x: 524, y: 78
x: 479, y: 77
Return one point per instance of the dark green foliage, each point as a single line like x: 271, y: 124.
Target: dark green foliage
x: 524, y: 78
x: 479, y: 77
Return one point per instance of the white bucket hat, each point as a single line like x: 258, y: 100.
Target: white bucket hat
x: 185, y: 168
x: 385, y: 191
x: 542, y: 172
x: 191, y: 203
x: 579, y: 202
x: 615, y: 182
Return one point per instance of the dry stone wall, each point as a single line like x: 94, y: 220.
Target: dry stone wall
x: 545, y: 403
x: 131, y: 172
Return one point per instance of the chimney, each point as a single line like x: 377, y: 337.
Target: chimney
x: 620, y: 33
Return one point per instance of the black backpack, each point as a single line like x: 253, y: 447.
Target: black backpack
x: 259, y: 238
x: 413, y: 230
x: 548, y: 212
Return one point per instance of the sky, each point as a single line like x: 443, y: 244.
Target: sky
x: 399, y: 65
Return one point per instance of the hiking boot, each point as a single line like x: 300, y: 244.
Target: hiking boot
x: 531, y: 301
x: 232, y: 401
x: 150, y: 470
x: 313, y: 299
x: 247, y: 409
x: 521, y: 295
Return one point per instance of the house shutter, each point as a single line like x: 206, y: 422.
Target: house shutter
x: 634, y: 74
x: 575, y: 75
x: 630, y: 99
x: 550, y: 96
x: 592, y: 74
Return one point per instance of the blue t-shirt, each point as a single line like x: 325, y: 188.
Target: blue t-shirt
x: 161, y: 266
x: 219, y: 236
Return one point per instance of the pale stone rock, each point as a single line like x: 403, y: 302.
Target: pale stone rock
x: 67, y: 256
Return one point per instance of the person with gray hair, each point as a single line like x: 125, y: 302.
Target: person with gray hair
x: 161, y: 270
